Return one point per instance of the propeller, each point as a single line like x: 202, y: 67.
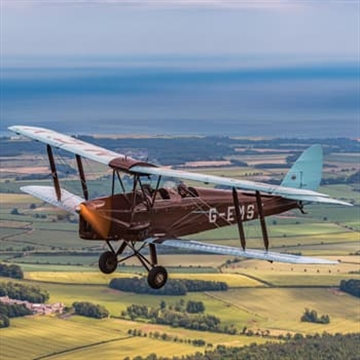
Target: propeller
x: 99, y: 223
x: 95, y: 213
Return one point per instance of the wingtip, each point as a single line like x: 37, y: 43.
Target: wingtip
x: 13, y: 128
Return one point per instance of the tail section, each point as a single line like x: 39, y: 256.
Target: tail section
x: 306, y: 172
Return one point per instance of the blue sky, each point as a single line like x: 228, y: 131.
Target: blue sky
x: 244, y: 67
x: 306, y: 29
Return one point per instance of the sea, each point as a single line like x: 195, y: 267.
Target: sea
x: 174, y: 95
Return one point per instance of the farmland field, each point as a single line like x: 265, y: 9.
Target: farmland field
x: 84, y: 338
x: 262, y: 296
x: 343, y: 309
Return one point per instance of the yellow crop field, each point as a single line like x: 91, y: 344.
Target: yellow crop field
x: 97, y: 278
x: 63, y: 277
x: 17, y: 199
x: 232, y: 280
x: 128, y: 347
x: 32, y: 337
x: 78, y: 338
x: 281, y: 309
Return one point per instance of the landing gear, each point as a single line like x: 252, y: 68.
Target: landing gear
x: 157, y: 277
x: 108, y: 262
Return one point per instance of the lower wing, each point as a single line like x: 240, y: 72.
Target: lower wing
x: 229, y: 250
x: 69, y: 202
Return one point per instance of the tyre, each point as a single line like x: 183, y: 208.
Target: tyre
x: 157, y: 277
x: 108, y: 262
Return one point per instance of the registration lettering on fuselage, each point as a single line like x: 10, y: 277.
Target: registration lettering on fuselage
x: 247, y: 212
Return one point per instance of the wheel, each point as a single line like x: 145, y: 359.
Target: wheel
x: 108, y: 262
x: 157, y: 277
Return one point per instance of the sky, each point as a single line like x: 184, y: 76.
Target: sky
x: 249, y: 67
x: 305, y: 28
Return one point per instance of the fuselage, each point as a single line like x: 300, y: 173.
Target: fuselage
x: 172, y: 213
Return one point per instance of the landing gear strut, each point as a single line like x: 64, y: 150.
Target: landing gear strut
x: 157, y: 275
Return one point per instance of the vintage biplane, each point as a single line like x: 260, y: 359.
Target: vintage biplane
x: 150, y: 215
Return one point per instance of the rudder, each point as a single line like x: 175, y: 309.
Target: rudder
x: 306, y: 172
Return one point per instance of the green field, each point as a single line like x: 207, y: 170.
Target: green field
x: 261, y: 296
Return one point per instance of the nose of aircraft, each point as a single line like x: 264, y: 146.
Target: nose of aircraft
x: 99, y: 223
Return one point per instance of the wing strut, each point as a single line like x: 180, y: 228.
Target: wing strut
x: 82, y: 177
x: 238, y: 219
x: 54, y: 172
x: 262, y: 221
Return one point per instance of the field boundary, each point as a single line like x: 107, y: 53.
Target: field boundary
x: 81, y: 347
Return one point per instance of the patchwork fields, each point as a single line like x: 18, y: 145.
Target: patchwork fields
x: 262, y: 297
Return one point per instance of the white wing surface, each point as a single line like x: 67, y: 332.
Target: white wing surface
x: 105, y: 157
x: 69, y: 202
x: 285, y: 192
x: 67, y: 143
x: 248, y: 253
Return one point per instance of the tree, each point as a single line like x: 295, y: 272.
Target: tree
x: 162, y: 305
x: 351, y: 286
x: 312, y: 316
x: 88, y: 309
x: 4, y: 321
x: 194, y: 307
x: 13, y: 271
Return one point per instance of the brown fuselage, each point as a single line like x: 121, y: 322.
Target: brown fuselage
x: 136, y: 216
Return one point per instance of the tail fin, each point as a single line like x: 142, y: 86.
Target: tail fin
x: 307, y: 170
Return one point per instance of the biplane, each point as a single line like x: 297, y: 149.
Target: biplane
x: 150, y: 215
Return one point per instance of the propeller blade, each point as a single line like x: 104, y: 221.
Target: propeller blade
x: 98, y: 222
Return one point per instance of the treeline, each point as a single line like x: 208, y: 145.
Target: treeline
x: 168, y: 337
x: 90, y: 310
x: 200, y: 322
x: 172, y: 287
x: 351, y: 286
x: 12, y: 271
x: 192, y: 307
x: 22, y: 292
x: 312, y: 316
x: 8, y: 311
x: 204, y: 285
x: 179, y: 316
x: 319, y: 347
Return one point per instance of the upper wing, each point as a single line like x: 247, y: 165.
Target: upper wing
x: 67, y: 143
x: 285, y: 192
x: 248, y: 253
x: 120, y: 161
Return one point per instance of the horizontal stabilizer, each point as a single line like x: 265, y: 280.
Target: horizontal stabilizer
x: 320, y: 199
x: 248, y: 253
x: 68, y: 202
